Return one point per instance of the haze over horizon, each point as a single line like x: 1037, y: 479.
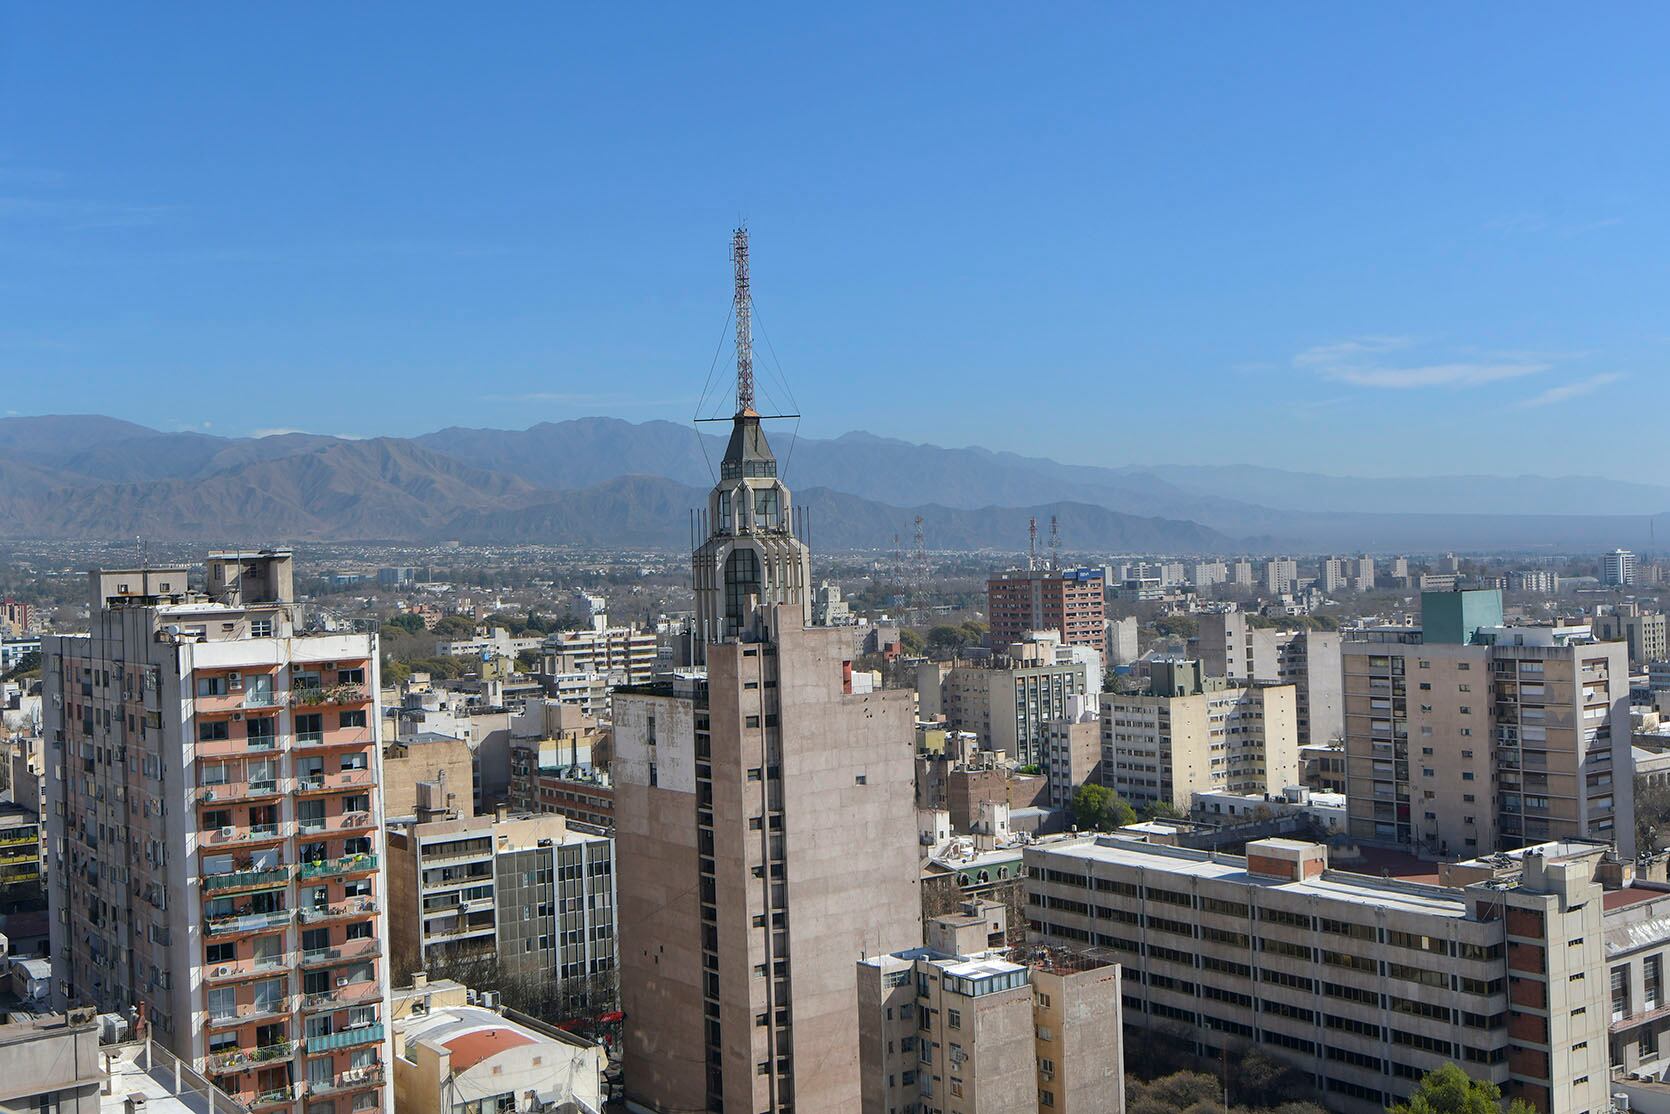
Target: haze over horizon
x: 1235, y: 240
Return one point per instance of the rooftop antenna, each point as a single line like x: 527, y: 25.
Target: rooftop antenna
x: 1032, y: 544
x: 921, y: 554
x: 1055, y: 545
x: 744, y: 323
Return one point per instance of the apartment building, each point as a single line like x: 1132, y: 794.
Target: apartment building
x: 20, y: 855
x: 1541, y: 581
x: 541, y: 782
x: 1122, y: 641
x: 1241, y: 574
x: 526, y: 890
x: 1365, y: 983
x: 214, y: 830
x: 1281, y: 575
x: 1309, y: 660
x: 1008, y: 701
x: 1334, y: 575
x: 1647, y: 635
x: 1361, y: 571
x: 1465, y: 736
x: 766, y: 827
x: 1204, y: 574
x: 1073, y: 750
x: 1618, y: 568
x: 621, y: 655
x: 1195, y: 733
x: 964, y: 1025
x: 1068, y: 601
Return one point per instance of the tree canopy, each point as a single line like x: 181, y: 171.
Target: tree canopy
x: 1449, y: 1090
x: 1098, y: 808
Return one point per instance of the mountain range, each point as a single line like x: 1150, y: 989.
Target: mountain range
x: 602, y: 481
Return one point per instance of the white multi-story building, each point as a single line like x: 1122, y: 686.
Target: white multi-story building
x: 214, y: 829
x: 1618, y: 568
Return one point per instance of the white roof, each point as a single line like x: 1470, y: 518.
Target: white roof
x: 1333, y: 885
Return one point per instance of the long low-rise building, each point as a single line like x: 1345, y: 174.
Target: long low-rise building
x: 1365, y: 983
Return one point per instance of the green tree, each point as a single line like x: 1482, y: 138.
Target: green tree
x: 911, y: 643
x: 1098, y: 808
x: 28, y: 665
x: 1449, y: 1090
x: 947, y: 639
x: 406, y: 621
x: 1652, y: 814
x: 1162, y: 810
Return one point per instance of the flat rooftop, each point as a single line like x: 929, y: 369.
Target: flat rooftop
x: 1332, y: 885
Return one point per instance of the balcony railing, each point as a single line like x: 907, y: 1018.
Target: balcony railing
x: 285, y: 1094
x: 245, y: 968
x: 348, y: 907
x: 247, y: 922
x: 343, y: 779
x: 247, y: 1059
x: 342, y: 822
x: 330, y: 694
x: 350, y: 1080
x: 365, y: 948
x: 246, y: 879
x: 251, y: 1011
x: 328, y: 868
x: 333, y: 737
x: 239, y: 791
x: 354, y: 994
x: 243, y: 833
x: 347, y: 1038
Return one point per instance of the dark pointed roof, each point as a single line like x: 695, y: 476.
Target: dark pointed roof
x: 748, y: 453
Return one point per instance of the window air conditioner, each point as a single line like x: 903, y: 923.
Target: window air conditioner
x: 228, y: 832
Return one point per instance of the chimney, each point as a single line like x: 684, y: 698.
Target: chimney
x: 501, y: 813
x: 420, y: 979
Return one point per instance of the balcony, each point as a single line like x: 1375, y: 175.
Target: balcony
x: 342, y: 822
x: 354, y: 994
x: 237, y: 746
x: 279, y: 1096
x: 251, y: 1011
x: 239, y: 791
x: 328, y: 695
x: 248, y: 1059
x: 351, y: 1080
x: 247, y: 968
x: 347, y: 907
x: 32, y: 839
x: 246, y: 833
x: 247, y: 922
x: 326, y: 783
x: 332, y: 737
x: 348, y: 1038
x: 332, y: 868
x: 366, y: 948
x: 246, y: 879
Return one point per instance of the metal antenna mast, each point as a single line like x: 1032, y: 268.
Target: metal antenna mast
x: 744, y: 324
x: 1032, y: 544
x: 921, y: 554
x: 1055, y: 545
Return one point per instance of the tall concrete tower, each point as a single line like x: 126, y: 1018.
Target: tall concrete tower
x: 764, y: 822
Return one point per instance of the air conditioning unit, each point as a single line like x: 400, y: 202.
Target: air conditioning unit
x: 343, y: 981
x: 221, y: 972
x: 238, y: 716
x: 228, y: 832
x: 234, y: 678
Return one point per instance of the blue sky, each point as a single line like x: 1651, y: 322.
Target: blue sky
x: 1377, y: 240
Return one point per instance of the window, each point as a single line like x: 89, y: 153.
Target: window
x: 260, y: 628
x: 354, y: 718
x: 1652, y: 978
x: 954, y: 1019
x: 1620, y: 993
x: 209, y: 731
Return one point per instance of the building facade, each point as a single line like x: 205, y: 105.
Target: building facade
x: 1008, y: 702
x: 1069, y: 601
x: 1466, y: 736
x: 766, y: 828
x: 524, y: 890
x: 1364, y: 983
x: 1308, y: 660
x: 215, y: 830
x: 1196, y: 733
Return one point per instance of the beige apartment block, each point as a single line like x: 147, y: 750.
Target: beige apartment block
x: 215, y: 831
x: 1365, y: 983
x: 1471, y: 736
x: 959, y: 1026
x: 1194, y: 734
x: 1308, y: 660
x: 447, y: 762
x: 1008, y: 702
x: 766, y: 829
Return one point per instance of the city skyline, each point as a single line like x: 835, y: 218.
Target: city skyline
x: 934, y: 202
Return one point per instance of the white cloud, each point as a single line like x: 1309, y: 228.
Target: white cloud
x: 1575, y: 389
x: 208, y: 425
x: 1369, y: 362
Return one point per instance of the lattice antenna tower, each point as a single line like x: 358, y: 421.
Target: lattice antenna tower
x: 1055, y: 545
x: 921, y: 554
x: 1032, y: 544
x: 744, y: 323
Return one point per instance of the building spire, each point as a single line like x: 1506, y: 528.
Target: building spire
x: 744, y: 324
